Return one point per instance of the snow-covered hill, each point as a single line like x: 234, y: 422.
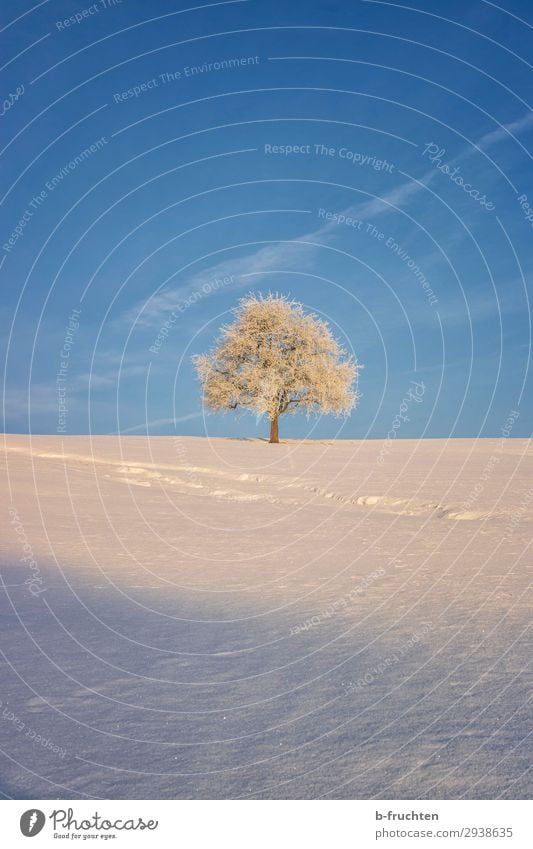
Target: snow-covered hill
x: 194, y: 618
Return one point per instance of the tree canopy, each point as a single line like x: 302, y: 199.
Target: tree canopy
x: 273, y: 359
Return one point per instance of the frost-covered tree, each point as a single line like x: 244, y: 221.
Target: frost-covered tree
x: 276, y: 359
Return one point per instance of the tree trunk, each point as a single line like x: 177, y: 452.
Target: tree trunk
x: 274, y: 430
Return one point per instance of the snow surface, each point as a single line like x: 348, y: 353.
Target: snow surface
x: 201, y: 618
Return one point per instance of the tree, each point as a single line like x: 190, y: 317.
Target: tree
x: 276, y: 359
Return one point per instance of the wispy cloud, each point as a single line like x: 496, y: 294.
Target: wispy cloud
x: 275, y: 257
x: 40, y: 400
x: 506, y: 131
x: 287, y: 255
x: 150, y: 312
x: 145, y: 426
x: 106, y: 378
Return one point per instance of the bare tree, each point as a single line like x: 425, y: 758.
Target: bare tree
x: 275, y: 359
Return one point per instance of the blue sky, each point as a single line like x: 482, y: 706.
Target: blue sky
x: 161, y: 161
